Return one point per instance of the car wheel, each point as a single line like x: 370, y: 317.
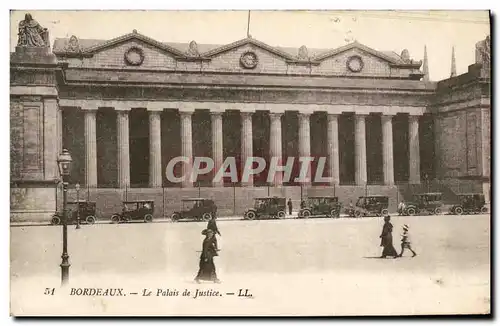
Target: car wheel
x: 115, y: 219
x: 334, y: 213
x: 250, y: 215
x: 90, y: 219
x: 306, y: 213
x: 207, y: 216
x: 385, y: 212
x: 411, y: 211
x: 55, y: 220
x: 175, y: 217
x: 148, y: 218
x: 357, y: 213
x: 458, y: 210
x: 281, y: 214
x: 484, y: 209
x: 437, y: 211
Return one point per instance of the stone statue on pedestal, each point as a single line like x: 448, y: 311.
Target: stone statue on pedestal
x: 31, y: 34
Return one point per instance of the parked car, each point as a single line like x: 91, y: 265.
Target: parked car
x: 370, y: 206
x: 85, y: 210
x: 267, y: 207
x: 321, y: 206
x: 430, y: 203
x: 195, y: 208
x: 469, y: 204
x: 137, y: 210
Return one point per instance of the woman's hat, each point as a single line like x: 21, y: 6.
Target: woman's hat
x: 206, y: 231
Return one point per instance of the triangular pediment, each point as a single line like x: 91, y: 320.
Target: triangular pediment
x: 244, y: 42
x: 134, y: 36
x: 356, y: 46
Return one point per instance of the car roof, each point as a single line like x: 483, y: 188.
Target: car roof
x: 376, y: 196
x: 322, y: 197
x: 194, y: 199
x: 270, y: 197
x: 472, y: 194
x: 429, y: 193
x: 138, y: 201
x: 80, y: 201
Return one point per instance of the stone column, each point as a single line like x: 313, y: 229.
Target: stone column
x: 50, y: 138
x: 333, y: 148
x: 414, y: 149
x: 246, y: 143
x: 187, y: 147
x: 360, y: 149
x: 275, y: 145
x: 155, y: 175
x: 217, y: 145
x: 305, y: 141
x: 123, y: 147
x: 387, y: 149
x: 90, y: 147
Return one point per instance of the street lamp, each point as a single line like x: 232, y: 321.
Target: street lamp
x: 77, y: 187
x: 64, y: 163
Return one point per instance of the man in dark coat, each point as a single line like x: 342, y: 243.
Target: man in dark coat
x: 212, y: 225
x: 290, y: 206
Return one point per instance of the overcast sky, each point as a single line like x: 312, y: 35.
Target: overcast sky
x: 385, y: 31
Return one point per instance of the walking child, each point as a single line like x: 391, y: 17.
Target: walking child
x: 405, y: 241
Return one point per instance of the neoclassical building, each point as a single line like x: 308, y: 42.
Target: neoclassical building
x: 125, y: 107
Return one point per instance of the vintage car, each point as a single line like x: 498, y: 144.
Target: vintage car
x: 267, y: 207
x: 469, y: 204
x: 320, y: 206
x: 369, y: 206
x: 195, y: 208
x: 83, y: 210
x: 430, y: 203
x: 137, y: 210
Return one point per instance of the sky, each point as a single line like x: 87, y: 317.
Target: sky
x: 381, y: 30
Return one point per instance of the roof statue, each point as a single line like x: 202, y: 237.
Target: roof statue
x: 303, y: 53
x: 193, y: 49
x: 73, y: 45
x: 405, y: 55
x: 31, y: 34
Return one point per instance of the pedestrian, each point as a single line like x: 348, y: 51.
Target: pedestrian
x: 212, y: 225
x: 290, y: 206
x: 386, y: 239
x: 209, y: 251
x: 406, y: 241
x: 401, y: 208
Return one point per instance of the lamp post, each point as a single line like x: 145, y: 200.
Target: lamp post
x: 64, y: 163
x: 77, y: 187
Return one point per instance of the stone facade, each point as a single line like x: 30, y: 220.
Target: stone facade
x: 125, y: 107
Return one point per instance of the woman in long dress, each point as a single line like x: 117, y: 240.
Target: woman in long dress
x: 209, y: 251
x: 386, y: 239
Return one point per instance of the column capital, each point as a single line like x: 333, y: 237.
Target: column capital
x: 122, y: 108
x: 246, y: 113
x: 216, y: 113
x: 332, y: 116
x: 247, y: 110
x: 89, y: 108
x: 217, y: 110
x: 305, y: 113
x: 154, y: 109
x: 389, y: 114
x: 275, y: 115
x: 186, y: 112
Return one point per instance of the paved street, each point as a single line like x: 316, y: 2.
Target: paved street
x: 322, y: 266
